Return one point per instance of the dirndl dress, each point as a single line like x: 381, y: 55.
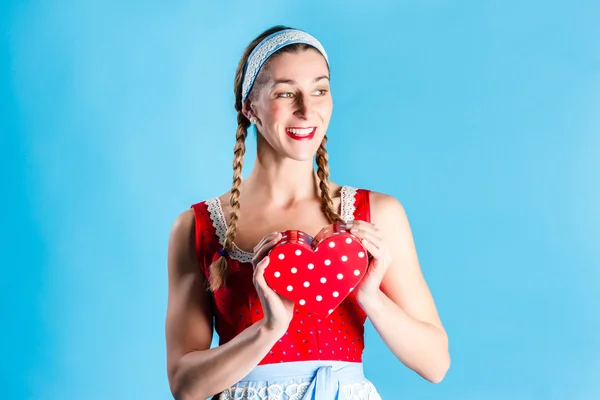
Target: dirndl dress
x: 318, y: 357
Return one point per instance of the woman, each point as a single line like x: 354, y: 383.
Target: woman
x: 270, y: 347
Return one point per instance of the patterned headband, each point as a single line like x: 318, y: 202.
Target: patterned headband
x: 270, y: 45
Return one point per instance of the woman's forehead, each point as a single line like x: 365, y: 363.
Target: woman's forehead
x: 306, y: 64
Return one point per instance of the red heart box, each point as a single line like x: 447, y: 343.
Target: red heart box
x: 317, y: 273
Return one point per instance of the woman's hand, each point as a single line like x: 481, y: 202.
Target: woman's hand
x: 371, y: 238
x: 278, y: 311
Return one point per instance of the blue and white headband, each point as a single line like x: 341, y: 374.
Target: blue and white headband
x: 270, y: 45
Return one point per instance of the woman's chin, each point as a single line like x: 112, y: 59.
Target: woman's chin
x: 303, y: 153
x: 301, y: 156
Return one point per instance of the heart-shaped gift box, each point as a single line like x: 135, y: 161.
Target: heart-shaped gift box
x: 317, y: 273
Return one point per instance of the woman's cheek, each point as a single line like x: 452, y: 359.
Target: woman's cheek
x: 278, y: 111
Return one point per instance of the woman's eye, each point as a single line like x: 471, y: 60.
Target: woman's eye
x: 289, y: 95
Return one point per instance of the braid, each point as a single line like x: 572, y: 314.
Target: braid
x: 323, y: 173
x: 218, y: 269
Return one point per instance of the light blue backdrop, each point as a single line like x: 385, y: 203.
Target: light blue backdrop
x: 482, y: 118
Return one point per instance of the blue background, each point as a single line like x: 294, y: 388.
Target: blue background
x: 482, y: 118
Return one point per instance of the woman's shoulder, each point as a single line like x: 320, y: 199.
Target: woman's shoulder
x: 203, y: 203
x: 385, y: 207
x: 187, y: 218
x: 383, y: 200
x: 365, y: 203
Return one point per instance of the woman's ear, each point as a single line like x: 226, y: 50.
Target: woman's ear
x: 247, y: 110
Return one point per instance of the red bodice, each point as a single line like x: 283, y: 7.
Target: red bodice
x: 338, y: 337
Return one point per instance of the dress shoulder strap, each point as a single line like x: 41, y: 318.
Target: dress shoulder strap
x: 202, y: 227
x: 363, y: 205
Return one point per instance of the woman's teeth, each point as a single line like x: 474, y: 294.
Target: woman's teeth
x: 300, y: 132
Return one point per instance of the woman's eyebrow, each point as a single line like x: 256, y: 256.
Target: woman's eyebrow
x: 291, y: 81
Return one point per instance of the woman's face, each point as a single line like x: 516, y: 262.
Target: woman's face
x: 293, y: 104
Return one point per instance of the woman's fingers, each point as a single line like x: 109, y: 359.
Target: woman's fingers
x: 371, y: 248
x: 369, y: 235
x: 271, y: 241
x: 266, y: 237
x: 259, y: 271
x: 358, y: 226
x: 259, y: 277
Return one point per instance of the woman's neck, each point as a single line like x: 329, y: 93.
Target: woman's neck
x: 283, y: 184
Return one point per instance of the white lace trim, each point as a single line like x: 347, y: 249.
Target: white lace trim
x: 348, y: 206
x: 295, y: 391
x: 217, y: 216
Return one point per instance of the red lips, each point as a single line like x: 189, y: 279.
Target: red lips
x: 303, y: 137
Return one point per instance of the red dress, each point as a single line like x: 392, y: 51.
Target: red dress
x: 338, y: 337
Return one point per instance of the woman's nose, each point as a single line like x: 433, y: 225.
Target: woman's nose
x: 305, y: 106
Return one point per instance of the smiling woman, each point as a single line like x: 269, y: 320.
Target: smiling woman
x: 292, y: 96
x: 270, y: 347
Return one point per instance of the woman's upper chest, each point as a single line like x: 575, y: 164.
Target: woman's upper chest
x: 254, y: 221
x: 250, y: 232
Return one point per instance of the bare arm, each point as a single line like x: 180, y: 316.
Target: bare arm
x: 196, y: 371
x: 403, y: 311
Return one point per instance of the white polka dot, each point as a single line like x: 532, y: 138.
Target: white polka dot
x: 306, y: 284
x: 294, y: 270
x: 298, y: 252
x: 344, y: 258
x: 319, y: 298
x: 330, y: 311
x: 302, y: 302
x: 311, y: 266
x: 281, y: 256
x: 327, y: 262
x: 361, y: 254
x: 351, y: 289
x: 356, y: 272
x: 290, y: 288
x: 348, y: 240
x: 340, y: 276
x: 335, y: 294
x: 323, y: 280
x: 331, y: 244
x: 277, y: 274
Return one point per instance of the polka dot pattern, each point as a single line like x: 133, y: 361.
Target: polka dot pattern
x: 337, y: 337
x: 336, y: 269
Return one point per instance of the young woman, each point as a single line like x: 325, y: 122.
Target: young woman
x: 271, y: 348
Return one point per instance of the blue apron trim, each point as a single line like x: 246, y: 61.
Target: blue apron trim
x: 326, y: 376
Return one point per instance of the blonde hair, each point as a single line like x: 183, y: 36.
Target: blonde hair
x: 219, y: 268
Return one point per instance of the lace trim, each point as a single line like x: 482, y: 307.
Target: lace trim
x: 295, y: 391
x: 348, y: 206
x: 217, y: 216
